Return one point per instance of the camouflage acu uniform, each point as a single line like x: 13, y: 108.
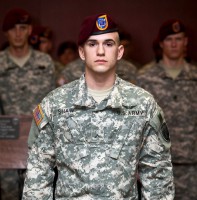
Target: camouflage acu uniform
x: 21, y: 89
x: 178, y: 99
x: 99, y: 148
x: 75, y: 69
x: 126, y: 70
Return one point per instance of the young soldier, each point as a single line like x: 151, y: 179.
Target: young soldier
x: 100, y: 131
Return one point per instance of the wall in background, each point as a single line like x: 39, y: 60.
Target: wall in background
x: 141, y: 18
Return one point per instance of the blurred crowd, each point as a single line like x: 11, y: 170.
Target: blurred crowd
x: 29, y: 71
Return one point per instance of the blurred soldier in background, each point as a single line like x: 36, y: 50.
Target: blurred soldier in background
x: 41, y: 39
x: 67, y: 52
x: 173, y: 82
x: 26, y: 75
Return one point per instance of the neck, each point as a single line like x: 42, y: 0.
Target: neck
x: 173, y: 63
x: 19, y: 51
x: 100, y: 81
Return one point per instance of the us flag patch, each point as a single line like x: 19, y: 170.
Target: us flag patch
x: 38, y: 114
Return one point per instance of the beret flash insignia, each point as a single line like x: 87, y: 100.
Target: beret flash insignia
x: 102, y: 22
x: 176, y: 27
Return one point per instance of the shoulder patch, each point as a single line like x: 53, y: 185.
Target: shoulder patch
x: 164, y: 136
x: 38, y: 115
x: 159, y: 124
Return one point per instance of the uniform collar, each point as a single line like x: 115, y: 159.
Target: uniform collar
x: 184, y: 74
x: 82, y: 99
x: 9, y: 64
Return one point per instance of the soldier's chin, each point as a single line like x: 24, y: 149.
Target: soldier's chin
x: 102, y: 69
x: 175, y: 57
x: 18, y: 45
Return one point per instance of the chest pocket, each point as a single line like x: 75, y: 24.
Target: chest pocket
x: 95, y: 150
x: 119, y: 141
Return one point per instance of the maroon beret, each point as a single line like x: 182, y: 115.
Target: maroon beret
x: 172, y: 26
x: 96, y: 25
x: 16, y: 16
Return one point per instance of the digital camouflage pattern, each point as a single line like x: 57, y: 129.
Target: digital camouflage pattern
x: 99, y: 148
x: 178, y: 99
x: 21, y: 89
x: 147, y: 67
x: 126, y: 70
x: 73, y: 71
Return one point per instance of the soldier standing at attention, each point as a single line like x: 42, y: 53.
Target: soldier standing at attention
x: 173, y: 82
x: 100, y: 131
x: 26, y: 76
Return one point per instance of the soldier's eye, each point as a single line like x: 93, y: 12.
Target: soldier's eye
x: 109, y: 44
x: 91, y: 44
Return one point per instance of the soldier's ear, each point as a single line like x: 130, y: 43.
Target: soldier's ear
x: 30, y: 29
x: 161, y: 45
x: 186, y: 41
x: 120, y: 52
x: 81, y: 52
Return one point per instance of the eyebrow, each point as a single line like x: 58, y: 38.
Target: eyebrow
x: 94, y: 40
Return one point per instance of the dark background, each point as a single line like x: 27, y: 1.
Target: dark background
x: 141, y: 18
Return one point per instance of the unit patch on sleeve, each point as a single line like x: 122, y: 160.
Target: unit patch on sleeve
x: 164, y: 136
x: 38, y: 114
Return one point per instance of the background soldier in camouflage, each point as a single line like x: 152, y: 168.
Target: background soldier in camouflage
x: 41, y: 39
x: 173, y: 82
x: 67, y: 52
x: 100, y: 131
x: 26, y: 76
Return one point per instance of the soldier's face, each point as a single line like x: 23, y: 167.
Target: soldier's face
x: 68, y: 56
x: 174, y: 46
x: 101, y: 53
x: 18, y: 35
x: 45, y: 45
